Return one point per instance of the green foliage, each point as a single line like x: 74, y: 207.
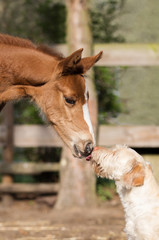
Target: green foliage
x: 103, y: 27
x: 41, y: 154
x: 40, y: 21
x: 108, y: 99
x: 24, y: 179
x: 18, y: 18
x: 105, y: 189
x: 26, y: 112
x: 104, y: 30
x: 52, y: 20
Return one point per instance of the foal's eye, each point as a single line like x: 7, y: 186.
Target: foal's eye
x: 70, y: 101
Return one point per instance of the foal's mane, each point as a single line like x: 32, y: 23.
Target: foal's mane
x: 25, y: 43
x: 16, y: 41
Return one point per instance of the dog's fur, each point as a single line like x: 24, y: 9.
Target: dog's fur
x: 137, y: 188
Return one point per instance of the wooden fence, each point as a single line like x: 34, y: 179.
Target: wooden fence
x: 42, y: 136
x: 119, y: 54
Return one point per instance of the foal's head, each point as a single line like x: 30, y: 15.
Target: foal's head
x: 64, y: 100
x: 55, y: 83
x: 61, y: 93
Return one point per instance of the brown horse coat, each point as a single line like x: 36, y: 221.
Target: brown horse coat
x: 55, y: 83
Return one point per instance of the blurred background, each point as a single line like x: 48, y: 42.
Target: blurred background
x: 125, y: 82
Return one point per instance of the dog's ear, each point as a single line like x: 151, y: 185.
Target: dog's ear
x: 135, y: 177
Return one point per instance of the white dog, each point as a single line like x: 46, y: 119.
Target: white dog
x: 137, y: 187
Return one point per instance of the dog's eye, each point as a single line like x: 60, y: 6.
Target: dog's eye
x: 70, y: 100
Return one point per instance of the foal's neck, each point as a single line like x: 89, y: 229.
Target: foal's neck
x: 25, y: 66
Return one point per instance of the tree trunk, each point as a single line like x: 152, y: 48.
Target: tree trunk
x: 78, y: 184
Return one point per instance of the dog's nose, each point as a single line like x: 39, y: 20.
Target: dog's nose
x: 88, y: 148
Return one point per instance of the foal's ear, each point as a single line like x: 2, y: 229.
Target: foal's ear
x: 74, y: 64
x: 69, y: 64
x: 135, y: 177
x: 88, y: 62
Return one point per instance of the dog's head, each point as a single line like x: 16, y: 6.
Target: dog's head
x: 121, y: 164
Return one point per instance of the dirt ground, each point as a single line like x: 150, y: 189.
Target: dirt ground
x: 33, y: 220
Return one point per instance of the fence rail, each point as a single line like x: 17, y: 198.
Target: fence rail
x: 28, y: 168
x: 120, y: 54
x: 42, y: 136
x: 133, y: 136
x: 37, y: 188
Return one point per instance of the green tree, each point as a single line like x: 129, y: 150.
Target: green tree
x: 105, y: 30
x: 103, y: 14
x: 106, y: 85
x: 52, y: 21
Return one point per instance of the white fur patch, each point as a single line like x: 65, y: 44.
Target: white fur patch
x: 87, y: 116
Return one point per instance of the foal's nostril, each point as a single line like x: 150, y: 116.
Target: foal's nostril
x: 88, y: 148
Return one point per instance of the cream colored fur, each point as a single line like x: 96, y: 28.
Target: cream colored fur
x: 137, y: 188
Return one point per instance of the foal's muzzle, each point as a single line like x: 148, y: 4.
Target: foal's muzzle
x: 88, y: 148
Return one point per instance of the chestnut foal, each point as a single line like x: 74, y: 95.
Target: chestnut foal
x: 55, y: 83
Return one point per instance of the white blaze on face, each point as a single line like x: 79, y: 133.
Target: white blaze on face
x: 86, y: 114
